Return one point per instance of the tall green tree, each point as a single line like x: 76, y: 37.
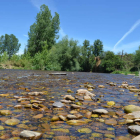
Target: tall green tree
x: 9, y: 44
x: 87, y: 56
x: 98, y: 48
x: 43, y: 33
x: 137, y: 59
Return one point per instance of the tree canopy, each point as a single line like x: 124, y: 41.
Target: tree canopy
x: 9, y: 44
x: 43, y: 33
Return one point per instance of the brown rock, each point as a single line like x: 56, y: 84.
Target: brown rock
x: 61, y: 138
x: 88, y: 114
x: 111, y: 122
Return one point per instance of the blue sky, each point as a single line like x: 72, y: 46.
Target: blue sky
x: 115, y: 22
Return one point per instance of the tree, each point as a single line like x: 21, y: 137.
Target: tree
x: 64, y: 55
x: 137, y: 59
x: 98, y: 48
x: 9, y: 44
x: 87, y: 56
x: 112, y: 62
x: 43, y: 33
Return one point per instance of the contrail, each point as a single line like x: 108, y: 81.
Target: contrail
x: 127, y: 33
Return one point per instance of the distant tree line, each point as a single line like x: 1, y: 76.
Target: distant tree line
x: 43, y: 52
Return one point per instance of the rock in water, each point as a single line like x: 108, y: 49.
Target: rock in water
x: 100, y: 111
x: 30, y: 134
x: 12, y: 122
x: 135, y: 129
x: 131, y: 108
x: 136, y: 138
x: 58, y: 104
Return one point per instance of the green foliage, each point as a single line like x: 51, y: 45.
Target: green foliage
x: 97, y: 48
x: 65, y: 55
x: 40, y: 60
x: 9, y: 43
x: 128, y: 61
x: 4, y: 57
x: 117, y: 72
x: 112, y: 62
x: 44, y: 31
x: 87, y: 56
x: 137, y: 58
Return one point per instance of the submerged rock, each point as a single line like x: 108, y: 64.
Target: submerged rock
x: 12, y: 122
x: 26, y: 134
x: 84, y: 92
x: 136, y: 114
x: 75, y: 106
x: 69, y: 97
x: 58, y: 104
x: 65, y: 101
x: 111, y: 122
x: 110, y: 103
x: 100, y: 111
x: 84, y: 130
x: 76, y: 122
x: 5, y: 112
x: 131, y: 108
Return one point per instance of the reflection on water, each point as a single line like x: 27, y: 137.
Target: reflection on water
x: 20, y: 82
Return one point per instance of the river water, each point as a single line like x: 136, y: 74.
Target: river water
x: 20, y: 82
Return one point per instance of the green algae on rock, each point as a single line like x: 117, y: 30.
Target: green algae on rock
x: 131, y: 108
x: 12, y: 122
x: 84, y: 130
x: 76, y: 122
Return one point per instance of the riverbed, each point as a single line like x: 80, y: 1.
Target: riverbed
x: 17, y: 83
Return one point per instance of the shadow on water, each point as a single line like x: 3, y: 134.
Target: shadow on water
x: 20, y: 82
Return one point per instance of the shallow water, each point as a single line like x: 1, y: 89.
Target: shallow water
x: 19, y: 82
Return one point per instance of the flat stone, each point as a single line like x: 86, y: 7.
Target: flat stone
x: 38, y: 116
x: 63, y: 118
x: 135, y: 129
x: 58, y: 104
x: 84, y: 130
x: 12, y: 122
x: 111, y: 122
x: 69, y: 97
x: 136, y: 114
x: 75, y: 106
x: 100, y: 111
x: 88, y: 114
x: 62, y: 138
x: 84, y: 92
x: 35, y: 93
x: 23, y: 99
x: 136, y: 138
x: 87, y: 97
x: 26, y: 134
x: 65, y: 101
x: 101, y: 86
x: 71, y: 117
x: 77, y: 122
x: 18, y: 106
x: 131, y: 108
x: 5, y: 112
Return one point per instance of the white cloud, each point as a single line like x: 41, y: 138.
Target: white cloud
x: 127, y: 33
x: 61, y: 32
x: 25, y: 35
x: 49, y: 3
x: 129, y: 48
